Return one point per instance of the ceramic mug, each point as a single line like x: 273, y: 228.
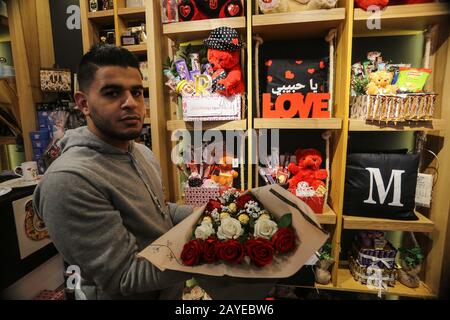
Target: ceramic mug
x: 27, y: 170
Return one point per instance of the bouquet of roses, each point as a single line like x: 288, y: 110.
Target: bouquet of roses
x: 264, y: 233
x: 235, y: 228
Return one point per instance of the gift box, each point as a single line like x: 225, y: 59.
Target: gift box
x: 397, y: 108
x: 315, y: 203
x: 211, y: 108
x: 199, y: 196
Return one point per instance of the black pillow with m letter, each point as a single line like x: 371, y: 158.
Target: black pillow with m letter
x: 381, y: 185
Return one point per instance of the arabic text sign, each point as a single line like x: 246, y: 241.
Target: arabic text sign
x: 288, y: 105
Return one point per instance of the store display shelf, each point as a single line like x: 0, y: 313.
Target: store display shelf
x: 190, y: 30
x: 361, y: 223
x: 362, y: 125
x: 327, y: 216
x: 134, y: 13
x: 312, y: 23
x: 102, y: 17
x: 347, y: 283
x: 296, y: 123
x: 173, y: 125
x: 402, y: 17
x: 138, y: 48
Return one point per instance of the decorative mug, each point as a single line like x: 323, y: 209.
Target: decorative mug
x: 27, y: 170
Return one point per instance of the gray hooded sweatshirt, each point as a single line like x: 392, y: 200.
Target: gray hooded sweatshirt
x: 102, y: 205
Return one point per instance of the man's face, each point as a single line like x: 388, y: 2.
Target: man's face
x: 114, y: 103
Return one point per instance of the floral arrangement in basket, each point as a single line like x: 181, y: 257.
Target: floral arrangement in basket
x: 236, y: 229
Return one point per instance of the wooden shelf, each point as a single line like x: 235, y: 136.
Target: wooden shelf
x: 305, y: 24
x: 361, y: 223
x: 147, y: 121
x: 173, y: 125
x: 296, y: 123
x: 347, y: 283
x: 327, y: 216
x: 137, y: 49
x: 7, y: 140
x: 137, y: 13
x: 402, y: 17
x: 102, y: 17
x: 362, y: 125
x: 191, y: 30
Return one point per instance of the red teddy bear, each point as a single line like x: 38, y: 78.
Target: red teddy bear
x: 308, y: 169
x: 224, y: 55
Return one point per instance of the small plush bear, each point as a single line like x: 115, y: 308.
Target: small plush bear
x: 307, y: 169
x: 224, y: 56
x: 380, y: 83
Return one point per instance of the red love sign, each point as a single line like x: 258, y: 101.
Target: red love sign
x: 288, y: 105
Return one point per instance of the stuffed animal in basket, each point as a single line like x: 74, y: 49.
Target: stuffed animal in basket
x: 208, y: 9
x: 307, y: 169
x: 224, y: 55
x: 380, y: 83
x: 226, y: 175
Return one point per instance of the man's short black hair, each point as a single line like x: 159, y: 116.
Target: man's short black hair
x: 102, y: 55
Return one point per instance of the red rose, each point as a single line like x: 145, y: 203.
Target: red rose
x: 260, y: 251
x: 230, y: 250
x: 242, y: 200
x: 209, y: 249
x: 192, y: 252
x: 284, y: 240
x: 213, y: 204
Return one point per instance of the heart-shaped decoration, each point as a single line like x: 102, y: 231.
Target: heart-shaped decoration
x: 289, y: 75
x: 268, y: 63
x: 213, y: 4
x: 322, y: 64
x: 269, y: 78
x: 185, y: 11
x: 233, y: 9
x: 298, y: 61
x: 311, y: 71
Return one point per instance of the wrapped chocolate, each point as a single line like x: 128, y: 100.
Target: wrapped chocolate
x: 182, y: 69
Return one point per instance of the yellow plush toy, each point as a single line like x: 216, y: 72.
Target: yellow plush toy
x: 380, y: 83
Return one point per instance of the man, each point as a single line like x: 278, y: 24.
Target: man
x: 102, y: 199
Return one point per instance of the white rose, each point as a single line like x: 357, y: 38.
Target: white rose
x: 229, y: 228
x: 204, y: 230
x: 265, y: 228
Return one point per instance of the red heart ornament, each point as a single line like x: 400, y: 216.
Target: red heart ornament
x: 185, y: 11
x: 268, y: 63
x: 233, y: 9
x: 298, y: 61
x: 321, y: 65
x: 269, y: 78
x: 311, y: 71
x: 289, y: 75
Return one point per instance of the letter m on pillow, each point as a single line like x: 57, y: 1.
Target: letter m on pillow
x: 395, y: 180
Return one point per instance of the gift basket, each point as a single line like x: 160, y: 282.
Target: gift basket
x: 388, y: 92
x: 372, y: 259
x: 207, y: 78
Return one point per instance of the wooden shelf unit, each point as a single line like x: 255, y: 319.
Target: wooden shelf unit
x: 362, y: 125
x: 361, y: 223
x: 412, y: 17
x: 273, y: 123
x: 173, y: 125
x: 134, y: 13
x: 349, y: 23
x: 138, y: 49
x: 313, y: 23
x: 192, y: 30
x: 102, y: 17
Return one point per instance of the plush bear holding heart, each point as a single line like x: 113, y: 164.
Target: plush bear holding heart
x: 208, y: 9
